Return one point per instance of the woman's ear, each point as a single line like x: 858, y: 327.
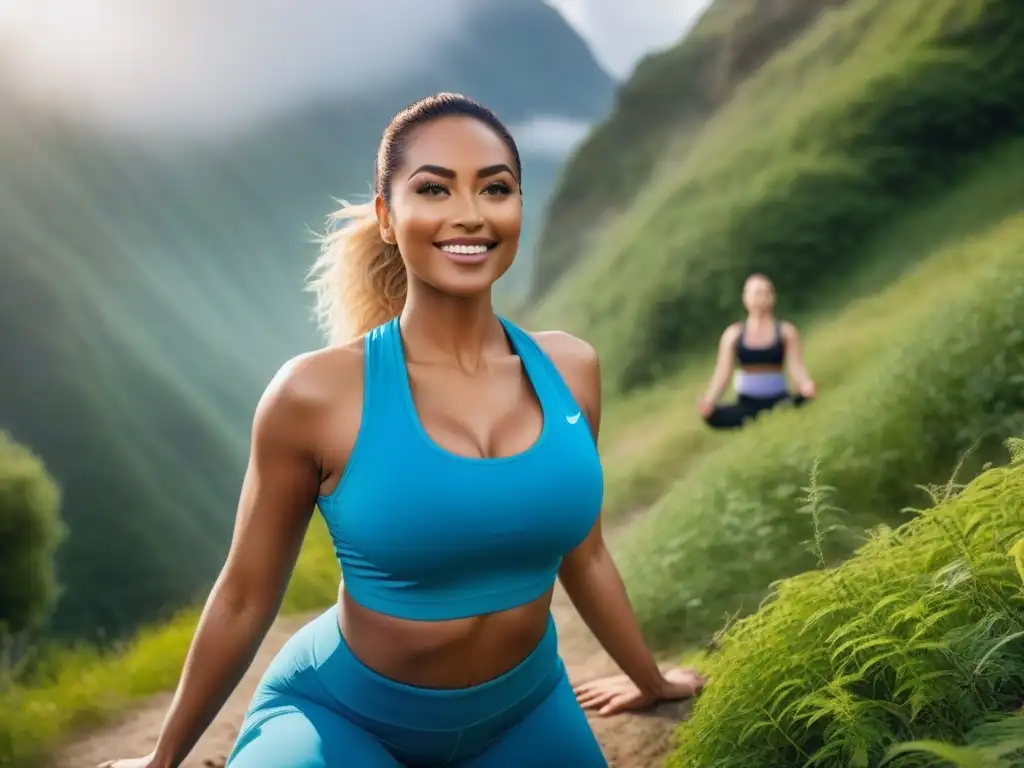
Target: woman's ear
x: 387, y: 232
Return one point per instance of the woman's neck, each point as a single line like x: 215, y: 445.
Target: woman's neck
x: 451, y: 330
x: 760, y: 319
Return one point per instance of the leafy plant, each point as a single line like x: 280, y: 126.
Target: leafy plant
x: 906, y: 649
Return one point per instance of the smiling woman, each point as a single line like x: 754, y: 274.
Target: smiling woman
x: 453, y: 457
x: 361, y: 277
x: 480, y: 206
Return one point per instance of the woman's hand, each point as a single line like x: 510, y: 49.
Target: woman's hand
x: 617, y: 693
x: 705, y: 406
x: 808, y: 389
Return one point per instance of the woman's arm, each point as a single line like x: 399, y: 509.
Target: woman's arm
x: 589, y: 574
x: 723, y: 367
x: 278, y: 494
x: 590, y: 577
x: 593, y: 583
x: 795, y: 361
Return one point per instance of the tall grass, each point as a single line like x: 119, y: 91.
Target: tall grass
x: 919, y: 638
x: 936, y: 377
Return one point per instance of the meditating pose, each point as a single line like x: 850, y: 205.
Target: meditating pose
x: 764, y: 348
x: 453, y: 458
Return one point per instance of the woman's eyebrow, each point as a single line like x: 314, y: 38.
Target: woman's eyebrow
x: 448, y: 173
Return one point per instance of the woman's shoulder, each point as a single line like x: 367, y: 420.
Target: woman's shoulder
x: 564, y: 348
x: 732, y: 332
x: 577, y: 363
x: 313, y: 381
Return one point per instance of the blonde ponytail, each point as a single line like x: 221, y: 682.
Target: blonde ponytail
x: 358, y: 279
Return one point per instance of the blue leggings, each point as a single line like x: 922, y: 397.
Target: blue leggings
x: 319, y: 706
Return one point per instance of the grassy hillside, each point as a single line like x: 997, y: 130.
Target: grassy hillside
x: 911, y: 377
x: 656, y: 115
x: 876, y: 106
x: 148, y: 290
x: 653, y: 436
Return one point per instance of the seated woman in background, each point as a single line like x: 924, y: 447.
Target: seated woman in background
x: 764, y: 348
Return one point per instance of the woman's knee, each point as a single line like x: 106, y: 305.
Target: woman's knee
x: 307, y: 736
x: 724, y: 417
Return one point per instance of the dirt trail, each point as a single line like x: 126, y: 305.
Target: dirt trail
x: 628, y: 741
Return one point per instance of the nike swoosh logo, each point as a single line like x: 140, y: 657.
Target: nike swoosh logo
x: 574, y: 418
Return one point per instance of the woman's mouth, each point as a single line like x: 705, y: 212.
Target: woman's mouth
x: 466, y: 251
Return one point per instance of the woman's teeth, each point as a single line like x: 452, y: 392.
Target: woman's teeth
x: 465, y: 250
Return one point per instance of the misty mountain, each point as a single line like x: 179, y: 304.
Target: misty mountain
x: 150, y: 288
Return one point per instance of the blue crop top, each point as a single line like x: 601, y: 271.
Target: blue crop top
x: 423, y: 533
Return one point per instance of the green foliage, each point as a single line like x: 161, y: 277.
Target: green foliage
x: 940, y: 375
x: 919, y: 637
x: 77, y: 686
x: 883, y: 104
x: 998, y: 743
x: 30, y: 530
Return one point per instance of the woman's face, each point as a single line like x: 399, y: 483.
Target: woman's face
x: 758, y: 294
x: 455, y: 210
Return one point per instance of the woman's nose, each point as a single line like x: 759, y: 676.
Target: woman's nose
x: 467, y: 214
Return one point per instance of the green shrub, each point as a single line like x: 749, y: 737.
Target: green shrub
x: 30, y: 530
x: 78, y: 686
x: 998, y: 743
x: 949, y: 374
x: 796, y: 173
x: 919, y: 636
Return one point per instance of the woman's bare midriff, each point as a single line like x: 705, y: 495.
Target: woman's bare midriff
x: 443, y: 654
x: 761, y: 368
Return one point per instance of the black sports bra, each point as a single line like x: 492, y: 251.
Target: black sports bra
x: 771, y: 355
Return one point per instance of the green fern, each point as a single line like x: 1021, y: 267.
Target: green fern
x: 897, y: 657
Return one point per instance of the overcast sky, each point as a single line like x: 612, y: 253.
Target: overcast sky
x: 621, y: 31
x: 211, y: 64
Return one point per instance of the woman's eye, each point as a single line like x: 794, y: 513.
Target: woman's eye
x: 431, y: 188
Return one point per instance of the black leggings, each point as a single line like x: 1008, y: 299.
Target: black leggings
x: 735, y: 415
